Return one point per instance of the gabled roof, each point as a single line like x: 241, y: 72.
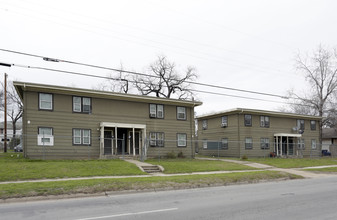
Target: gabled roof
x: 24, y: 86
x: 258, y: 112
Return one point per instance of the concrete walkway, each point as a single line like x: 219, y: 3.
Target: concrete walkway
x: 296, y: 171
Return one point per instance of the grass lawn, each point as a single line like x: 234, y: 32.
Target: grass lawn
x: 295, y: 162
x: 16, y: 167
x: 194, y: 165
x: 17, y: 190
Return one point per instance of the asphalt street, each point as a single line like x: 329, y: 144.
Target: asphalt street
x: 295, y: 199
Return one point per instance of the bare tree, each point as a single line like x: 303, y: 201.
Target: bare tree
x: 166, y: 81
x: 14, y: 105
x: 320, y: 71
x: 116, y: 83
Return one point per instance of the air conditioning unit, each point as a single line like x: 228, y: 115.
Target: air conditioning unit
x: 45, y: 140
x: 152, y: 115
x: 223, y: 125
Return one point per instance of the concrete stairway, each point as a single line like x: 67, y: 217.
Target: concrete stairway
x: 151, y: 169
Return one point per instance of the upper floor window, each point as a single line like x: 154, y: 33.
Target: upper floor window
x: 182, y: 140
x: 248, y: 120
x: 264, y: 143
x: 156, y: 111
x: 249, y: 143
x: 224, y: 121
x: 300, y: 124
x: 313, y: 125
x: 224, y: 143
x: 204, y: 124
x: 157, y: 139
x: 45, y: 101
x: 81, y: 104
x: 181, y: 113
x: 264, y: 121
x: 81, y: 136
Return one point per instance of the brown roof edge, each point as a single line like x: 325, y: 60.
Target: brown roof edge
x: 25, y: 86
x: 256, y: 111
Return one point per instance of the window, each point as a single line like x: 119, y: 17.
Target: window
x: 313, y: 144
x: 157, y: 139
x: 45, y: 101
x: 81, y: 104
x: 300, y: 124
x: 224, y: 121
x: 264, y: 143
x: 300, y: 144
x: 248, y: 120
x: 204, y: 143
x: 249, y: 143
x: 204, y: 124
x: 45, y: 136
x: 264, y: 121
x: 181, y: 113
x: 182, y: 140
x: 224, y: 143
x: 81, y: 136
x: 156, y: 111
x: 313, y: 125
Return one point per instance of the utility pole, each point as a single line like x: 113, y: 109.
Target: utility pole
x: 5, y: 123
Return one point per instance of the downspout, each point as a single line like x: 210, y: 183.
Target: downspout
x: 192, y: 130
x: 24, y: 124
x: 239, y: 142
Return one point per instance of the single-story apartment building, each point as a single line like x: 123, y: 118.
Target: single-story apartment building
x: 258, y: 133
x: 72, y: 123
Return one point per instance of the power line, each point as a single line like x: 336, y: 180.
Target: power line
x: 137, y: 73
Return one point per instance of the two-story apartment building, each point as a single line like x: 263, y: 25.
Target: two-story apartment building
x: 69, y: 123
x: 258, y: 133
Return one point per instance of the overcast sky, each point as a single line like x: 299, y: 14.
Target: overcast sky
x: 249, y: 45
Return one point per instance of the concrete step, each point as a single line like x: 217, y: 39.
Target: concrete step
x: 151, y: 169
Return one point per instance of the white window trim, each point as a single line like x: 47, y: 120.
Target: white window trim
x: 182, y: 139
x: 46, y: 101
x: 181, y: 110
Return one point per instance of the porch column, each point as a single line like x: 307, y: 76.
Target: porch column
x: 101, y: 141
x: 287, y: 146
x: 281, y: 146
x: 133, y: 141
x: 115, y: 141
x: 277, y: 151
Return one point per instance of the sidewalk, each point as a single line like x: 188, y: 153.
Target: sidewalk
x: 296, y: 171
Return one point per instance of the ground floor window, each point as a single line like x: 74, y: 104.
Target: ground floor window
x: 204, y: 143
x: 45, y: 136
x: 300, y: 144
x: 264, y: 143
x: 224, y: 143
x: 157, y: 139
x: 249, y: 143
x: 313, y: 144
x: 81, y: 136
x: 182, y: 140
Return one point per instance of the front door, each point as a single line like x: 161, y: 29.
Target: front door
x: 137, y: 142
x: 107, y: 143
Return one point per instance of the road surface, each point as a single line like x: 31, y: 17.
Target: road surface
x: 294, y: 199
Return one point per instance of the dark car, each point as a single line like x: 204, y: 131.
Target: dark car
x: 18, y: 148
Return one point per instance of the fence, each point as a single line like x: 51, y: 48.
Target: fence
x: 89, y: 147
x: 225, y: 148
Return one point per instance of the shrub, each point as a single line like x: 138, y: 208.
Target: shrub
x: 244, y: 157
x: 181, y: 155
x: 171, y: 155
